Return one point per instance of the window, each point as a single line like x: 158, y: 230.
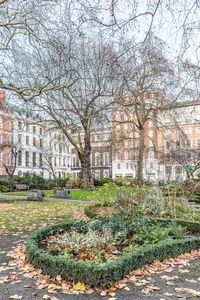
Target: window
x: 125, y: 125
x: 26, y: 158
x: 59, y: 161
x: 97, y: 174
x: 64, y: 164
x: 151, y: 133
x: 126, y: 154
x: 118, y: 154
x: 19, y: 156
x: 178, y: 170
x: 41, y: 131
x: 118, y: 166
x: 8, y: 125
x: 19, y: 138
x: 9, y: 139
x: 198, y: 142
x: 93, y: 159
x: 34, y: 141
x: 188, y: 130
x: 106, y: 159
x: 106, y: 174
x: 198, y: 130
x: 97, y: 160
x: 74, y: 161
x: 127, y: 166
x: 168, y: 170
x: 177, y: 144
x: 151, y: 165
x: 167, y: 145
x: 34, y: 129
x: 55, y: 161
x: 151, y: 154
x: 27, y: 127
x: 117, y: 117
x: 189, y: 143
x: 20, y: 125
x: 34, y: 160
x: 40, y: 160
x: 27, y: 140
x: 8, y: 159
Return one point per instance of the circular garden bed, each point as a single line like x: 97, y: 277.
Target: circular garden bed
x: 101, y: 252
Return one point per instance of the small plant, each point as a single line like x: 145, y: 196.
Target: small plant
x: 4, y: 188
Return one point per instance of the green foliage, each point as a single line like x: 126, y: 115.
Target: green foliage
x: 90, y: 213
x: 4, y: 188
x: 61, y: 182
x: 106, y: 180
x: 33, y: 181
x: 106, y: 273
x: 77, y: 241
x: 97, y: 182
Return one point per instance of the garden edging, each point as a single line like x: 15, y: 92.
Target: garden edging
x: 105, y: 274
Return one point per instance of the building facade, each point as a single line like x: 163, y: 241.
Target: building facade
x: 171, y: 144
x: 101, y: 155
x: 30, y: 145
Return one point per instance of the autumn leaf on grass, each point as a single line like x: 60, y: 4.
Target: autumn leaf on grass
x: 16, y: 297
x: 53, y: 286
x: 190, y: 291
x: 80, y: 286
x: 191, y: 280
x: 48, y: 297
x: 150, y: 289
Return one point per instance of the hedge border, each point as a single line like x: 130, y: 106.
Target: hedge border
x: 89, y: 212
x: 105, y: 274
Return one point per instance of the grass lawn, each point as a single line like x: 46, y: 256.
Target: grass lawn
x: 76, y: 194
x: 22, y: 215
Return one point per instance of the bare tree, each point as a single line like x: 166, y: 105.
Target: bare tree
x: 81, y: 96
x: 145, y: 75
x: 10, y: 163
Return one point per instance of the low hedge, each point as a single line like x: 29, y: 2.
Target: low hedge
x: 104, y: 274
x: 89, y: 212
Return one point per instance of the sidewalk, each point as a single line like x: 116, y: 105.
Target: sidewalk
x: 14, y: 197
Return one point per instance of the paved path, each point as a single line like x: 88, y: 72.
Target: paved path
x: 27, y: 288
x: 14, y: 197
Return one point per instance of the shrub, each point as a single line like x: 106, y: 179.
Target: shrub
x: 4, y: 188
x: 105, y: 274
x: 33, y: 181
x: 97, y: 182
x: 106, y: 180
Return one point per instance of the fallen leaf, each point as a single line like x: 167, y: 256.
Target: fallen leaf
x: 80, y: 286
x: 103, y: 293
x: 16, y: 297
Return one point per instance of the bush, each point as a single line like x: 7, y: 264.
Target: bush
x: 97, y: 182
x: 33, y: 181
x: 106, y: 180
x: 104, y: 274
x: 4, y: 188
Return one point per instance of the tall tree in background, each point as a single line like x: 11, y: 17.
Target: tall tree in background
x: 81, y: 96
x: 145, y: 75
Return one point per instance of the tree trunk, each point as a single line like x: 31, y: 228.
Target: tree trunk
x: 86, y: 174
x: 140, y: 160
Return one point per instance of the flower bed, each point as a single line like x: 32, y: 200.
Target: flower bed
x: 102, y: 271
